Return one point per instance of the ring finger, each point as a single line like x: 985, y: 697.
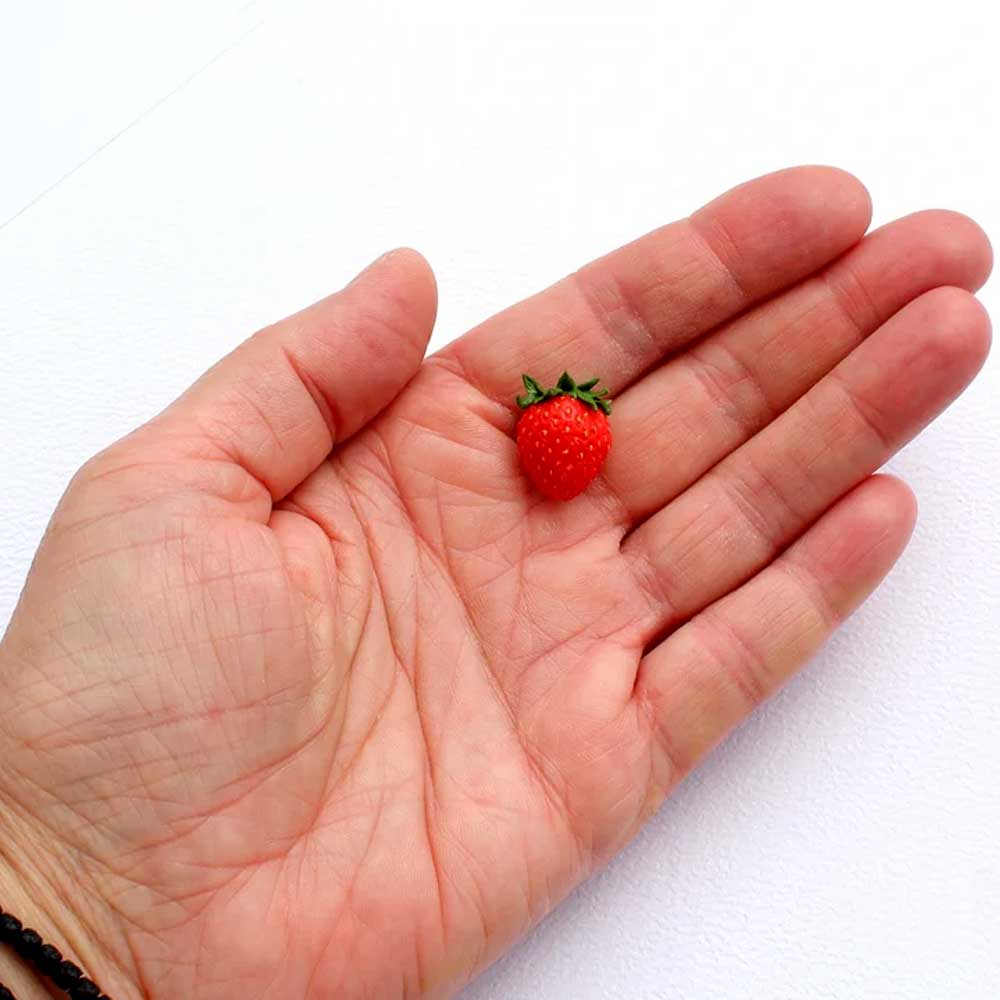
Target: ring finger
x: 746, y: 510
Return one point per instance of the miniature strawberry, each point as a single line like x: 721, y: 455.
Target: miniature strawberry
x: 563, y: 436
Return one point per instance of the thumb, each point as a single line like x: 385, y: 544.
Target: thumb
x: 278, y: 403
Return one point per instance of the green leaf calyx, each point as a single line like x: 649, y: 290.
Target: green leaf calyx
x: 566, y: 386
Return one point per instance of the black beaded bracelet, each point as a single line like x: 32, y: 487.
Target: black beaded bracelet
x: 46, y: 960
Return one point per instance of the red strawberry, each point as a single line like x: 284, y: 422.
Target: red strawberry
x: 563, y: 435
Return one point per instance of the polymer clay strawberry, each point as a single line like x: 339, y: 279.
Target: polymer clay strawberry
x: 563, y: 435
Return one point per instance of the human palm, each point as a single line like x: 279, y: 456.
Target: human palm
x: 316, y: 697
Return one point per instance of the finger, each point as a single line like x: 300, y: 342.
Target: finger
x: 281, y: 400
x: 700, y: 682
x: 691, y: 412
x: 620, y: 314
x: 736, y: 518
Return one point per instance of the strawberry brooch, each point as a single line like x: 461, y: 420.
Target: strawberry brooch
x: 563, y: 435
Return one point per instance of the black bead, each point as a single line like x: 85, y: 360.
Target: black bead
x: 27, y: 943
x: 10, y: 927
x: 67, y: 974
x: 71, y: 970
x: 84, y: 990
x: 49, y: 959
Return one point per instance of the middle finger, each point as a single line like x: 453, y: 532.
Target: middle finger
x: 686, y: 416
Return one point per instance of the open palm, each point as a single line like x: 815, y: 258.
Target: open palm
x: 316, y: 697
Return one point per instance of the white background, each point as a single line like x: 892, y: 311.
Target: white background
x: 174, y: 175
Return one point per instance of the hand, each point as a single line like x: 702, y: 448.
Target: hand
x: 310, y: 695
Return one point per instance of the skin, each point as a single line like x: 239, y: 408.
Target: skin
x: 309, y: 694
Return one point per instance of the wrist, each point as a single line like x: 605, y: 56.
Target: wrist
x: 36, y: 913
x: 17, y: 974
x: 46, y: 891
x: 21, y: 980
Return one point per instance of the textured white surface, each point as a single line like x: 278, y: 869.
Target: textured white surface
x: 845, y: 842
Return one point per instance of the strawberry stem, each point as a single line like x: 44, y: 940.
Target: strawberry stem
x: 584, y: 391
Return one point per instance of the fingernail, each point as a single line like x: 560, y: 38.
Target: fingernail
x: 375, y: 263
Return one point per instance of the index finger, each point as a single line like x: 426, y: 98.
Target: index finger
x: 619, y: 315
